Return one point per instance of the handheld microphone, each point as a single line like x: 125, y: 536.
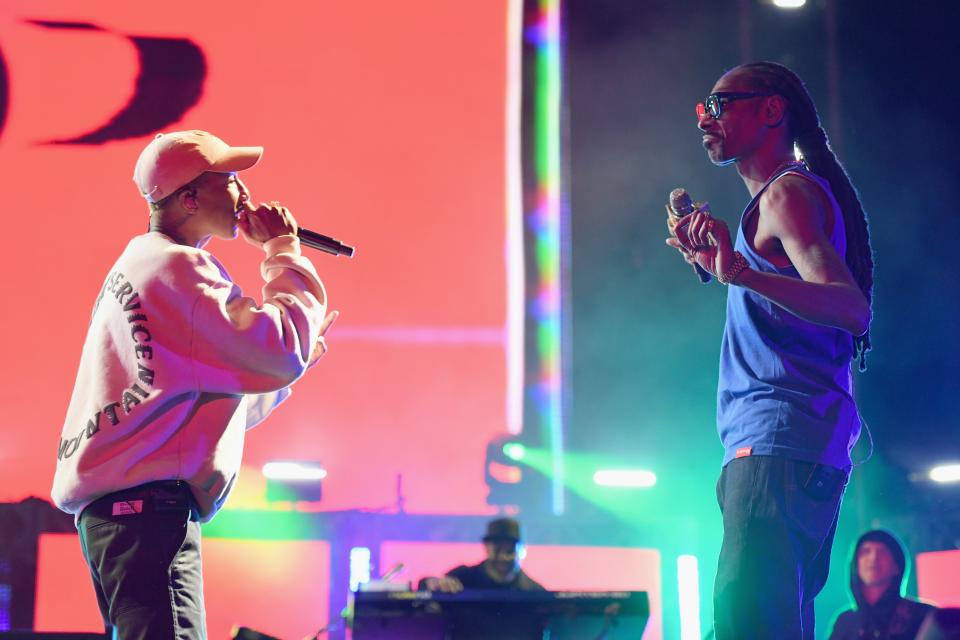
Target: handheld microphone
x: 307, y: 237
x: 681, y: 205
x: 324, y: 243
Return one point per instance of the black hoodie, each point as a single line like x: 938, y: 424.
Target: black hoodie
x: 892, y: 617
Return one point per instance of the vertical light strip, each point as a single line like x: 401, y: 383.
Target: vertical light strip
x: 547, y: 244
x: 359, y: 567
x: 514, y: 222
x: 688, y: 585
x: 6, y: 596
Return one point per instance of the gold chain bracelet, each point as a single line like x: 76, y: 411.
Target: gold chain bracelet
x: 739, y: 264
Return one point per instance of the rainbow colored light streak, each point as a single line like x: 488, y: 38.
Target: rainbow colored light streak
x: 546, y: 223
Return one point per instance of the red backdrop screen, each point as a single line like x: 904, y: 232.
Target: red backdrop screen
x: 384, y: 126
x: 937, y: 573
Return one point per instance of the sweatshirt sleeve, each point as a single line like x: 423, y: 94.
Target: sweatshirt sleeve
x: 261, y: 405
x: 240, y: 346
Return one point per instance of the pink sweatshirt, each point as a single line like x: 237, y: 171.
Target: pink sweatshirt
x: 178, y: 364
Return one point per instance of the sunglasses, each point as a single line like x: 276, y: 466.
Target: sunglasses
x: 715, y: 101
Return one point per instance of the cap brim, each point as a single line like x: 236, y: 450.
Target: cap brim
x: 237, y: 159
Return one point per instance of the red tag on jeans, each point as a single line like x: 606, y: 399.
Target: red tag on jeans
x: 743, y: 452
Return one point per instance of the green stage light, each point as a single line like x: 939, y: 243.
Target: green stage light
x: 945, y: 473
x: 507, y: 479
x: 515, y: 451
x: 627, y: 478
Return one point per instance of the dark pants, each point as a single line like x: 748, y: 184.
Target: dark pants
x: 779, y: 520
x: 142, y: 546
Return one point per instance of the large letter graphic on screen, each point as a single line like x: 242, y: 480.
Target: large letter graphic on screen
x: 170, y: 82
x: 4, y: 92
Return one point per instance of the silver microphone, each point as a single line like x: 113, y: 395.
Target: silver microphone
x: 681, y: 205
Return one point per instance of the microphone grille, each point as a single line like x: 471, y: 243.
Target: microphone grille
x: 680, y: 202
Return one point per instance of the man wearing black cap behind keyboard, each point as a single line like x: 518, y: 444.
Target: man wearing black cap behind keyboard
x: 503, y: 543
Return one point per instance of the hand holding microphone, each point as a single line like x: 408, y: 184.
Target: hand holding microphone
x: 269, y: 221
x: 678, y: 221
x: 265, y: 222
x: 703, y: 239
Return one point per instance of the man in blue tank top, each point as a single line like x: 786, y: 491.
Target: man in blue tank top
x: 800, y: 277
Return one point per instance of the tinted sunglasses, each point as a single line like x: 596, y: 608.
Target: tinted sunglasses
x: 715, y: 101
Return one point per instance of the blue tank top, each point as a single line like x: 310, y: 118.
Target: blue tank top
x: 786, y: 385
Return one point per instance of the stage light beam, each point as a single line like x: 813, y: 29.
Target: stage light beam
x: 945, y: 473
x: 291, y: 471
x: 789, y: 4
x: 625, y: 478
x: 515, y: 451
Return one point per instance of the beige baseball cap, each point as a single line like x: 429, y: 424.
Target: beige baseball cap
x: 171, y: 160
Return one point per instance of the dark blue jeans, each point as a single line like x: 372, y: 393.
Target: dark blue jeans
x: 142, y: 546
x: 779, y: 521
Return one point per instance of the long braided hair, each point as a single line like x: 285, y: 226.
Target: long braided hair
x: 809, y: 137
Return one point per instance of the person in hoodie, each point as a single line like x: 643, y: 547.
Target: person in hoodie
x: 177, y: 364
x: 878, y: 574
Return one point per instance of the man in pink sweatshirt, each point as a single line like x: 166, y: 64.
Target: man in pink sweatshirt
x: 176, y: 366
